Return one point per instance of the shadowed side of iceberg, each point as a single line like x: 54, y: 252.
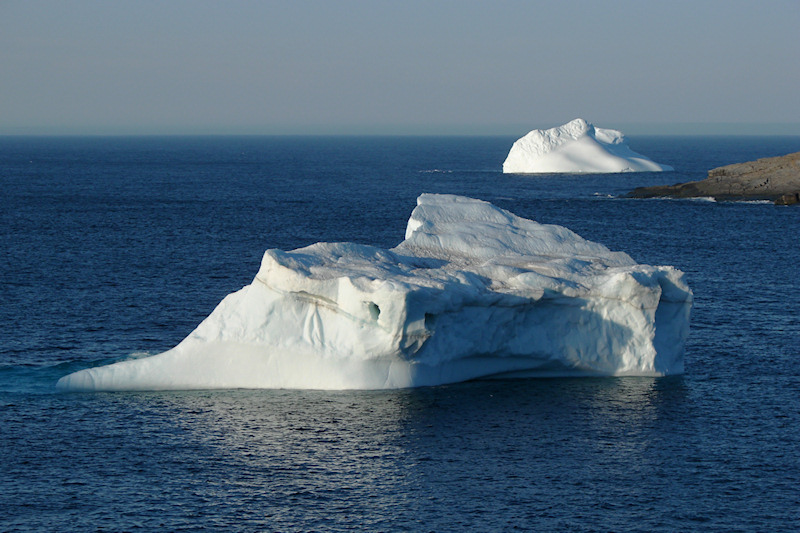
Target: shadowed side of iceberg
x: 473, y: 292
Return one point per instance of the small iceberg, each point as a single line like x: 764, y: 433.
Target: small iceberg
x: 576, y: 147
x: 473, y: 291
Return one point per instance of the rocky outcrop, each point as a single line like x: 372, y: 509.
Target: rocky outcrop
x: 788, y: 199
x: 773, y: 178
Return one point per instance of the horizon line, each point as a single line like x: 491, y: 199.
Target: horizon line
x: 737, y: 129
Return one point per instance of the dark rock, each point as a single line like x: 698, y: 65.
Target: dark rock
x: 788, y: 199
x: 764, y: 179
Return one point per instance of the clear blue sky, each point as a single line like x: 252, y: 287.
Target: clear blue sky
x: 372, y: 66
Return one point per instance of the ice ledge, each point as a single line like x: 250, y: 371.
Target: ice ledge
x: 473, y: 291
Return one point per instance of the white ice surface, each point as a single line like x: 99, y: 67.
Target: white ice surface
x: 472, y: 292
x: 576, y: 147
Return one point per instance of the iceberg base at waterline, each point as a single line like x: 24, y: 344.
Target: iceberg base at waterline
x: 473, y: 291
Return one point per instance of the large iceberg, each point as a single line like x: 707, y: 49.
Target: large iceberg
x: 576, y: 147
x: 473, y: 291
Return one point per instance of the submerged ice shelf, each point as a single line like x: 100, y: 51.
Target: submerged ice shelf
x: 576, y: 147
x: 473, y: 291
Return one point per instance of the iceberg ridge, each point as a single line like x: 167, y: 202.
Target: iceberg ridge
x: 474, y: 291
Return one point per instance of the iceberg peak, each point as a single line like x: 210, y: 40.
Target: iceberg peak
x: 576, y: 147
x: 474, y: 291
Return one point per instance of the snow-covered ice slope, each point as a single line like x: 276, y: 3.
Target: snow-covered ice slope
x: 472, y: 292
x: 576, y: 147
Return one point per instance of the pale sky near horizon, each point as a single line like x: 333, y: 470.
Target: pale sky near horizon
x: 435, y: 66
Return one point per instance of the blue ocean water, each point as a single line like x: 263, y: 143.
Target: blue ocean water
x: 119, y: 247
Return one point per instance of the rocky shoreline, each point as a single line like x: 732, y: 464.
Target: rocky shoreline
x: 773, y: 178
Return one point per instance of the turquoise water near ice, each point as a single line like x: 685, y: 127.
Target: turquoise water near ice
x: 119, y: 247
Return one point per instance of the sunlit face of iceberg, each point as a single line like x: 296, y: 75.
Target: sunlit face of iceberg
x: 576, y: 147
x: 472, y: 292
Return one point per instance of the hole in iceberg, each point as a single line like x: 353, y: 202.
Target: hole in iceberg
x: 430, y: 321
x: 374, y: 311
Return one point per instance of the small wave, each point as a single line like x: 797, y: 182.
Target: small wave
x: 709, y: 200
x: 703, y: 199
x: 732, y: 201
x: 436, y: 171
x: 758, y: 202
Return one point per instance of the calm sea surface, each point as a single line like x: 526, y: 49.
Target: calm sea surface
x: 118, y: 247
